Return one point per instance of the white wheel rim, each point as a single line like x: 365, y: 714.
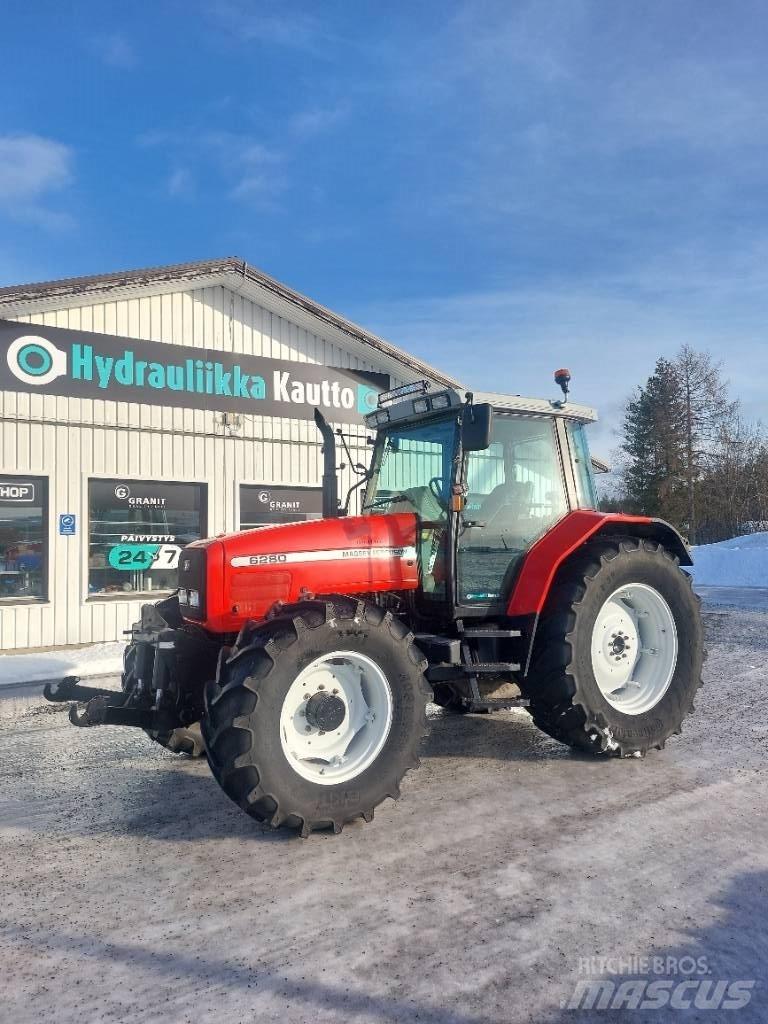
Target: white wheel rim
x: 634, y: 648
x: 329, y: 757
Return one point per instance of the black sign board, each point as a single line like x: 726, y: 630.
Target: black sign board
x: 78, y: 364
x: 260, y: 506
x: 16, y: 492
x: 144, y: 495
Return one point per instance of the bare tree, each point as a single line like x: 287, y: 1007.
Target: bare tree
x: 708, y: 419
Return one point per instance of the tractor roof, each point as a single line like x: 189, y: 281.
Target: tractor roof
x: 518, y: 403
x: 414, y: 401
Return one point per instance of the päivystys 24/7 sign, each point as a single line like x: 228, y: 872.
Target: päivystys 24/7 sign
x: 80, y: 364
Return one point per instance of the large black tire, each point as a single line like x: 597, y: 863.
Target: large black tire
x: 241, y: 726
x: 565, y: 699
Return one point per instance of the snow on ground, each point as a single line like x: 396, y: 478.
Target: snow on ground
x: 95, y: 660
x: 738, y: 562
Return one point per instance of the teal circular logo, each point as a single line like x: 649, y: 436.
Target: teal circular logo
x: 34, y: 360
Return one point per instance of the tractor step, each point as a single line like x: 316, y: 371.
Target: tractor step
x: 491, y: 667
x: 444, y: 673
x: 487, y: 632
x: 490, y: 704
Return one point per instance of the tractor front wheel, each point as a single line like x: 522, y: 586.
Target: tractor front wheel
x: 317, y: 714
x: 618, y: 654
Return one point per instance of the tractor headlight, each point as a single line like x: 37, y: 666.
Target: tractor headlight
x: 193, y: 580
x: 378, y: 417
x: 441, y: 401
x: 421, y: 405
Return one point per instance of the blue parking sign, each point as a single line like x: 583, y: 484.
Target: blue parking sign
x: 67, y: 524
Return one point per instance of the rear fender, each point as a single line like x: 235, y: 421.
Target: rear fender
x: 551, y: 551
x: 562, y: 542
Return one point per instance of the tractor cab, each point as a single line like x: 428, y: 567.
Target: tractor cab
x: 487, y: 476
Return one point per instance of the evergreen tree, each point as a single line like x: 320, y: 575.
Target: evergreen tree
x: 651, y: 444
x: 681, y: 436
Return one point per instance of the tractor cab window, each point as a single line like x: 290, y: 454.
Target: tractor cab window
x: 586, y: 491
x: 515, y: 492
x: 411, y: 472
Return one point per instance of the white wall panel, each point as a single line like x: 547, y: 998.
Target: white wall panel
x: 69, y: 439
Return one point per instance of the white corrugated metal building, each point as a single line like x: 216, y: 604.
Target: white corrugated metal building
x: 97, y: 494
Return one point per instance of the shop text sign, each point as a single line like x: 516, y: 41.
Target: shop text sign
x: 14, y: 493
x: 78, y: 364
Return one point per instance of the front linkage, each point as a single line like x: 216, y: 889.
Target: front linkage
x: 164, y: 672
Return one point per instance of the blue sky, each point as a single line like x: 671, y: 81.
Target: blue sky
x: 500, y: 188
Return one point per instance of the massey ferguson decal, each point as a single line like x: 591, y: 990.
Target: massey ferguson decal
x: 406, y: 554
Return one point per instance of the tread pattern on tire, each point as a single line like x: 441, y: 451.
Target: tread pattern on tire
x: 556, y: 703
x: 233, y: 696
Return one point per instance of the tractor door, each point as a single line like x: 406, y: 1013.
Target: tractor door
x: 515, y: 492
x: 412, y: 467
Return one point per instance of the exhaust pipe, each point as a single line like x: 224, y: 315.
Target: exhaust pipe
x: 330, y: 482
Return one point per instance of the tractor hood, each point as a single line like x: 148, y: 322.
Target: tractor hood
x: 225, y: 581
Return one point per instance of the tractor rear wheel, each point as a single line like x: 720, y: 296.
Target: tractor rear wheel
x: 316, y: 714
x: 619, y: 650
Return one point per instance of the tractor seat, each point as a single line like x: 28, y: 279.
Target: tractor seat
x: 506, y: 504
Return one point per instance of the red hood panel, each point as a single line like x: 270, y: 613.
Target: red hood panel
x: 357, y: 554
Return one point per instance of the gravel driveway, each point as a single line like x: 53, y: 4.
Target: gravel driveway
x: 134, y: 891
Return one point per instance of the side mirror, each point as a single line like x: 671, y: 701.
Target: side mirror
x: 476, y: 427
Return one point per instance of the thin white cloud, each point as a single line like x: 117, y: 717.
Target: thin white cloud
x: 181, y: 183
x: 258, y: 189
x: 290, y: 26
x: 32, y: 166
x: 32, y: 169
x: 307, y: 124
x: 115, y: 50
x: 241, y: 167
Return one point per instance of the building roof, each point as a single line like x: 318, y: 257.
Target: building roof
x: 230, y: 272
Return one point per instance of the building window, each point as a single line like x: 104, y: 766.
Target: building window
x: 23, y: 538
x: 136, y: 532
x: 264, y: 506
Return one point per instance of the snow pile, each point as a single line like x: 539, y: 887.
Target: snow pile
x: 738, y: 562
x: 96, y: 660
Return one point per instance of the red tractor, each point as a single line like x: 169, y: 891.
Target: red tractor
x: 301, y: 658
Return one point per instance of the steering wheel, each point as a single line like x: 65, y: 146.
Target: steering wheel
x: 436, y: 490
